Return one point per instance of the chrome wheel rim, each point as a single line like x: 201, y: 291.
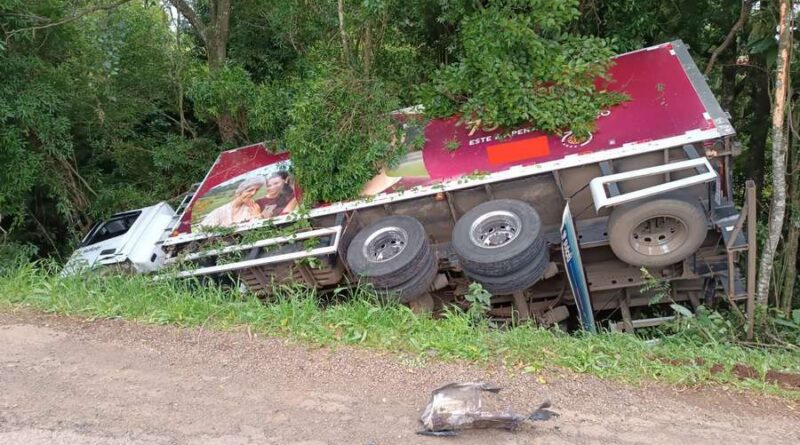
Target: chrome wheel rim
x: 658, y: 235
x: 385, y: 244
x: 495, y: 229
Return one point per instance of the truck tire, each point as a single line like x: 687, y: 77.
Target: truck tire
x: 498, y: 237
x: 390, y: 251
x: 418, y: 285
x: 515, y: 281
x: 658, y: 232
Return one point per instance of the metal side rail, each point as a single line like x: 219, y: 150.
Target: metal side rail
x: 331, y: 248
x: 187, y: 198
x: 604, y: 199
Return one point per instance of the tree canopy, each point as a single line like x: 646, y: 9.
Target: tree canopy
x: 107, y: 105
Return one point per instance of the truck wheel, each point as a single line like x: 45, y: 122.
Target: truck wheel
x: 390, y: 251
x: 515, y: 281
x: 498, y: 237
x: 657, y: 233
x: 418, y: 285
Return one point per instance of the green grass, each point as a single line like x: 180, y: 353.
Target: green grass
x: 364, y: 320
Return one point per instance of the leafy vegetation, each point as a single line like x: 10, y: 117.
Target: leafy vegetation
x: 87, y: 118
x: 341, y: 133
x: 110, y: 105
x: 519, y: 64
x: 366, y: 320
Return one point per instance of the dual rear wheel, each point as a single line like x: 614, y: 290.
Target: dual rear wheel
x: 395, y: 256
x: 500, y: 244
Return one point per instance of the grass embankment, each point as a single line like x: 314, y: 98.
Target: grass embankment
x: 362, y: 320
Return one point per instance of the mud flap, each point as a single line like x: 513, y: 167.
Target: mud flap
x: 573, y: 266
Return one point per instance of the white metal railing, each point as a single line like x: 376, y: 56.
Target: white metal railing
x: 602, y: 199
x: 333, y: 247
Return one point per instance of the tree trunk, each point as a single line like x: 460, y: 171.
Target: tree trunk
x: 343, y: 31
x: 790, y: 249
x: 728, y: 84
x: 228, y: 127
x: 778, y: 204
x: 793, y: 236
x: 217, y: 55
x: 227, y: 124
x: 758, y: 127
x: 215, y: 35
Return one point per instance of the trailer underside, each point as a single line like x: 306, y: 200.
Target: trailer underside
x: 650, y: 194
x: 616, y: 287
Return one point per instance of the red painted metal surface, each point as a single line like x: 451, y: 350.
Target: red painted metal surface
x: 663, y: 103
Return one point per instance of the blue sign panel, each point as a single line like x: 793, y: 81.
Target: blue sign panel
x: 574, y: 268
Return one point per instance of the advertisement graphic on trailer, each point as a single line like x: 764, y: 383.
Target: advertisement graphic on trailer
x: 262, y: 193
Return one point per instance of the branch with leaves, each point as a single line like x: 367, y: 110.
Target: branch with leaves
x: 71, y: 18
x: 747, y: 5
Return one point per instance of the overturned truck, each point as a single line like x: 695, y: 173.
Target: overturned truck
x: 556, y: 227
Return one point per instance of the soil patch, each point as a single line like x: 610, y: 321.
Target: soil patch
x: 741, y: 371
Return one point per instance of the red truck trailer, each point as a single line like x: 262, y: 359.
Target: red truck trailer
x: 650, y: 187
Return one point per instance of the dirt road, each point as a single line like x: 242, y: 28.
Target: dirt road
x: 68, y: 381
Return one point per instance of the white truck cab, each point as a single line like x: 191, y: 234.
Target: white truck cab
x: 129, y: 240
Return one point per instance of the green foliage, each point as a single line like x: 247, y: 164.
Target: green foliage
x: 89, y: 117
x: 270, y: 38
x: 14, y: 256
x: 452, y: 145
x: 786, y: 328
x: 268, y: 112
x: 519, y: 64
x: 341, y: 132
x: 709, y: 326
x: 658, y: 288
x: 633, y: 24
x: 83, y: 107
x: 33, y: 132
x: 478, y: 298
x: 225, y: 90
x: 259, y: 109
x: 703, y: 325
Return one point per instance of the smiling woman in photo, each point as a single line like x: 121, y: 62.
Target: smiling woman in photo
x: 279, y: 198
x: 241, y: 209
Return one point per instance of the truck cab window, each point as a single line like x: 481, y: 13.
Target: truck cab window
x: 117, y: 225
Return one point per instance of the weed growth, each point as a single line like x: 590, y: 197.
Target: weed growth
x: 362, y: 318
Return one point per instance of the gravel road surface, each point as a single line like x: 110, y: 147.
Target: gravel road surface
x: 74, y: 381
